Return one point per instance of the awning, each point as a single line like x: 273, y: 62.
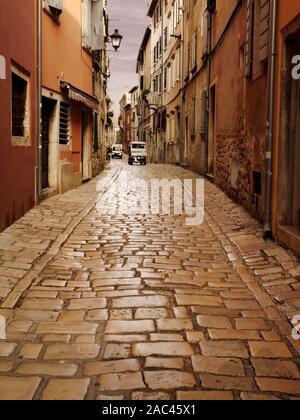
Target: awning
x: 78, y: 96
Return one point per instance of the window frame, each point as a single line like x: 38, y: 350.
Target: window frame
x: 26, y: 139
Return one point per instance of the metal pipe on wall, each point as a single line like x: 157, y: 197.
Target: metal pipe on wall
x: 209, y: 45
x: 39, y: 100
x: 270, y: 124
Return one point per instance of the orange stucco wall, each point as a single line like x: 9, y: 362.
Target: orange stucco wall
x: 63, y: 55
x: 70, y: 63
x: 287, y: 12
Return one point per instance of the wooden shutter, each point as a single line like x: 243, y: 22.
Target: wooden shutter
x: 249, y: 41
x: 56, y: 4
x: 264, y: 29
x: 86, y: 24
x: 97, y: 25
x: 2, y: 68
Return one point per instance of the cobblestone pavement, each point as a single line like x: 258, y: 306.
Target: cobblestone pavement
x: 136, y: 307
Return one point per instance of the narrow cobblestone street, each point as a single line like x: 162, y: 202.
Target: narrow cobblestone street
x: 145, y: 307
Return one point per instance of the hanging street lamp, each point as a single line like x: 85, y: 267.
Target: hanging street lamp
x: 116, y: 39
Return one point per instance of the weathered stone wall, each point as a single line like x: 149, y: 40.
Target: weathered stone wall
x: 241, y: 114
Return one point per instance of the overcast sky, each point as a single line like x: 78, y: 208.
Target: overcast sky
x: 129, y: 16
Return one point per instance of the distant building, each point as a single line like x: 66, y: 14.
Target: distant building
x: 144, y: 74
x: 135, y: 113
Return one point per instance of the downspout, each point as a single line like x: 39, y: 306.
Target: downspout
x: 182, y: 134
x: 268, y: 234
x: 39, y: 100
x: 209, y: 50
x: 162, y: 157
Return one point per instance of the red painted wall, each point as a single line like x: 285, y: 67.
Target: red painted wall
x: 17, y: 164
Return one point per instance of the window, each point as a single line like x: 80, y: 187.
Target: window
x: 165, y: 79
x: 54, y: 8
x: 204, y: 32
x: 64, y: 124
x: 2, y: 68
x: 20, y: 107
x: 169, y: 79
x: 186, y: 61
x: 166, y: 37
x: 178, y: 53
x: 194, y: 49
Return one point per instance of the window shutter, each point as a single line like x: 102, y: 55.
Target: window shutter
x: 54, y: 8
x: 249, y: 42
x: 264, y: 29
x: 97, y: 25
x: 2, y: 68
x: 55, y: 4
x: 204, y: 33
x: 186, y: 61
x: 194, y: 45
x: 86, y: 24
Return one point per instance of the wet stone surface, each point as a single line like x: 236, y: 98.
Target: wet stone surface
x: 144, y: 306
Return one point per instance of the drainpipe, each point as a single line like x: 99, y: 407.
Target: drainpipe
x: 268, y: 234
x: 182, y: 110
x: 162, y: 156
x: 209, y: 45
x: 39, y: 100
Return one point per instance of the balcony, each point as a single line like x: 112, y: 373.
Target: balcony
x: 154, y: 99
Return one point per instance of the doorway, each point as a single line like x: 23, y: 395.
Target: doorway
x: 186, y: 139
x: 212, y: 132
x: 85, y: 146
x: 48, y: 106
x: 296, y: 177
x: 288, y: 186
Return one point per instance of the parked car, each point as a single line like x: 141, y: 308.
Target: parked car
x: 117, y: 151
x: 137, y: 153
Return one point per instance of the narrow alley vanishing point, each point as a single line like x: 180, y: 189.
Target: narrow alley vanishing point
x: 145, y: 307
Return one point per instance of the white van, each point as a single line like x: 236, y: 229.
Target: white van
x: 137, y: 153
x: 117, y: 151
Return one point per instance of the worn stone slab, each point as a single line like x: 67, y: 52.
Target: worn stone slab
x: 168, y: 379
x: 71, y: 327
x: 71, y: 351
x: 119, y: 327
x: 121, y: 382
x: 162, y: 349
x: 140, y: 301
x: 18, y: 389
x: 66, y: 389
x: 48, y: 369
x: 118, y: 366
